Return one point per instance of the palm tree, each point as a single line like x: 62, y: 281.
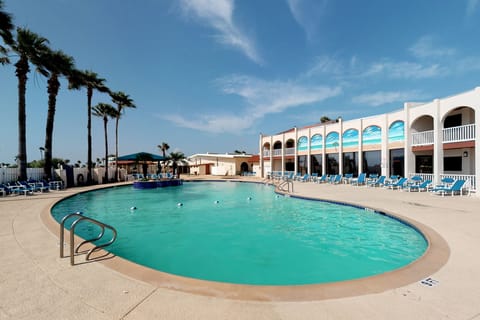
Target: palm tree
x: 30, y: 48
x: 105, y: 111
x: 91, y: 81
x: 325, y: 119
x: 175, y: 159
x: 164, y: 148
x: 6, y: 27
x: 57, y: 64
x: 122, y: 101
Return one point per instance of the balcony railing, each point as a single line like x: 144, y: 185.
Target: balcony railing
x: 458, y: 134
x: 277, y: 152
x: 289, y: 151
x: 422, y: 138
x: 266, y: 153
x: 454, y: 134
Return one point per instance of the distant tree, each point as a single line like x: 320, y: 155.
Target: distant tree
x: 164, y: 148
x: 174, y: 160
x: 91, y: 81
x: 105, y: 111
x: 122, y: 100
x: 57, y: 64
x: 144, y: 158
x: 36, y: 164
x: 6, y: 28
x: 325, y: 119
x: 239, y: 152
x: 30, y: 47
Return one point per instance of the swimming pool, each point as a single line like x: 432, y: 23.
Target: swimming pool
x: 246, y: 234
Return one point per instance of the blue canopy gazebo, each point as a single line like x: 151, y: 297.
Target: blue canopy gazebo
x: 141, y: 157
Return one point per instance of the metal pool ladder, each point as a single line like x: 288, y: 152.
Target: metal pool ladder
x: 75, y: 250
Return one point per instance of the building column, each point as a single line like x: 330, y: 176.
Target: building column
x: 340, y: 147
x: 262, y: 173
x: 477, y: 145
x: 283, y: 154
x: 324, y: 153
x: 437, y: 143
x: 309, y: 154
x: 360, y: 148
x: 271, y: 154
x: 384, y: 153
x: 409, y: 157
x: 295, y: 152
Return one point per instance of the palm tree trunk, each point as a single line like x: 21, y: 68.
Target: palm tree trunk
x: 105, y: 120
x: 116, y: 147
x: 21, y: 71
x: 53, y: 87
x: 89, y: 135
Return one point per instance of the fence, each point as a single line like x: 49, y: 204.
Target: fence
x: 79, y: 174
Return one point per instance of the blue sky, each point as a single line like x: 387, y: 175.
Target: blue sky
x: 211, y: 75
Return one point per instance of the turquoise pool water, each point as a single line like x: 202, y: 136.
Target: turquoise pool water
x: 244, y: 233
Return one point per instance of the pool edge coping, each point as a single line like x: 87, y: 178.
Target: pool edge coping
x: 436, y: 256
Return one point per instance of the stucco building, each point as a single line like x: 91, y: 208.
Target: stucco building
x: 434, y: 139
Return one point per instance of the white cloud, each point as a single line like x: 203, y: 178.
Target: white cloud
x: 471, y: 6
x: 211, y: 123
x: 405, y: 70
x: 266, y: 97
x: 261, y: 99
x: 307, y: 13
x: 218, y: 14
x: 383, y: 97
x: 424, y: 48
x: 328, y: 65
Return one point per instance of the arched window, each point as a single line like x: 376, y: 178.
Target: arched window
x: 396, y: 132
x: 332, y: 140
x: 316, y: 142
x: 372, y: 135
x: 350, y: 138
x: 302, y: 144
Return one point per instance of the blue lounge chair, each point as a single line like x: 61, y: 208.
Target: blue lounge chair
x: 338, y: 179
x: 397, y: 185
x: 419, y: 187
x: 361, y: 180
x: 348, y: 177
x: 455, y: 188
x: 322, y: 179
x: 377, y: 183
x: 24, y: 188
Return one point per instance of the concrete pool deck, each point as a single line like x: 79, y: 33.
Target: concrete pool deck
x: 36, y: 284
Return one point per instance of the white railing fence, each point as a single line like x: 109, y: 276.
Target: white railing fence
x: 277, y: 152
x: 470, y: 183
x: 454, y: 134
x: 79, y: 174
x: 461, y: 133
x: 289, y: 151
x: 425, y: 176
x: 422, y: 138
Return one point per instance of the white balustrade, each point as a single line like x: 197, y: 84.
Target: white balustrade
x: 458, y: 134
x: 422, y: 138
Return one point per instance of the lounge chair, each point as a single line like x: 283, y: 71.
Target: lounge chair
x: 419, y: 187
x: 348, y: 177
x: 397, y: 185
x: 455, y: 188
x: 322, y: 179
x: 24, y: 188
x: 377, y: 183
x: 305, y: 178
x: 361, y: 180
x: 338, y: 179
